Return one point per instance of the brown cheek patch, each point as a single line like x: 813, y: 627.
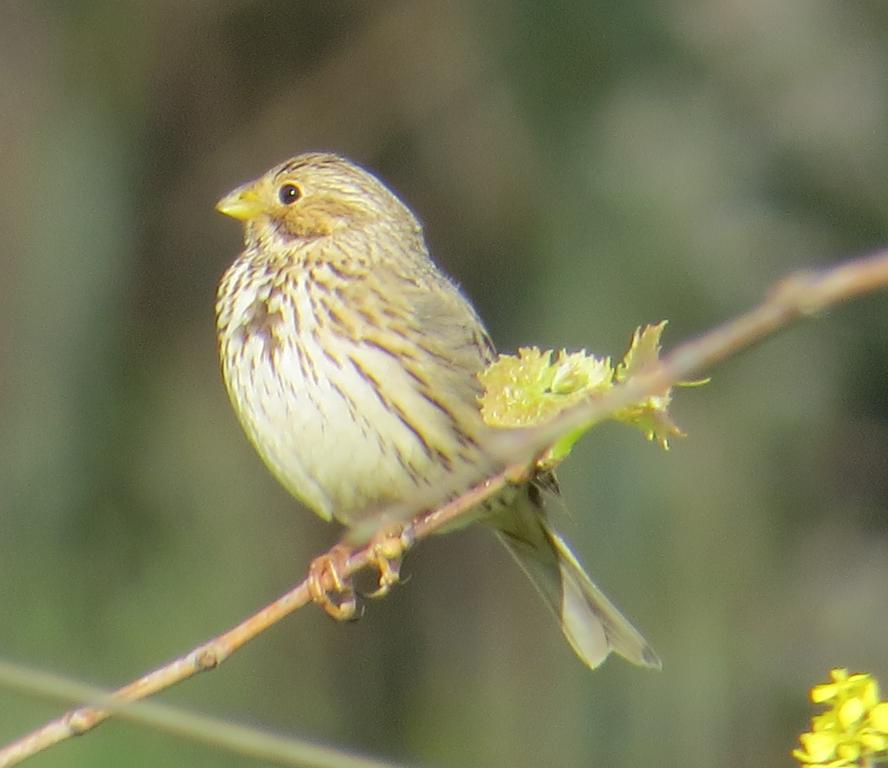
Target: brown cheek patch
x: 320, y: 217
x: 305, y: 225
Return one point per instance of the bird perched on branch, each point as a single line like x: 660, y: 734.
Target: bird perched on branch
x: 351, y: 361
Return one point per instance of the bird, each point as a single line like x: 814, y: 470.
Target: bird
x: 351, y: 361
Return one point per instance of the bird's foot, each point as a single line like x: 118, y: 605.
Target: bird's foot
x: 387, y: 548
x: 328, y: 588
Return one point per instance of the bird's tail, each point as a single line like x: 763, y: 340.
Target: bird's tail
x: 591, y: 623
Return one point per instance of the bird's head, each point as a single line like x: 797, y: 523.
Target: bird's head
x: 313, y: 196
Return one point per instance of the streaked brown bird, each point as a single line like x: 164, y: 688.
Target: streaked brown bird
x: 351, y: 361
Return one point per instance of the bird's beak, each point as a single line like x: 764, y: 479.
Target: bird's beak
x: 244, y: 203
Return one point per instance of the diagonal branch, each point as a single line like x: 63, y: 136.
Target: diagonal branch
x: 513, y: 455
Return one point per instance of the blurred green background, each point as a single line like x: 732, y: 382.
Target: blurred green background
x: 581, y: 168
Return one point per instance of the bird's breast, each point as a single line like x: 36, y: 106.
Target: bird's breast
x: 340, y: 419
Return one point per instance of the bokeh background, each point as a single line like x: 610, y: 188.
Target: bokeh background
x: 581, y: 168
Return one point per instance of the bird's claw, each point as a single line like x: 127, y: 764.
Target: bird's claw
x: 387, y: 549
x: 336, y: 593
x: 328, y: 568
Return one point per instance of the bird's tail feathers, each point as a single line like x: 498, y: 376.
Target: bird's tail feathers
x: 591, y: 623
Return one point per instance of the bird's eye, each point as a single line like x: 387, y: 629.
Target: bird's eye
x: 289, y: 194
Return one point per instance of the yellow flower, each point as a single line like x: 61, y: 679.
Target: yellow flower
x: 853, y: 731
x: 879, y: 717
x: 818, y: 747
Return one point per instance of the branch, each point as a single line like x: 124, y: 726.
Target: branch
x: 512, y: 460
x: 267, y: 747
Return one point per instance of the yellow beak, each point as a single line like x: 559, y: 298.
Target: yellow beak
x: 243, y: 203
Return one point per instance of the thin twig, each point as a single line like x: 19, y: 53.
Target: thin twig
x: 800, y: 295
x: 257, y: 744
